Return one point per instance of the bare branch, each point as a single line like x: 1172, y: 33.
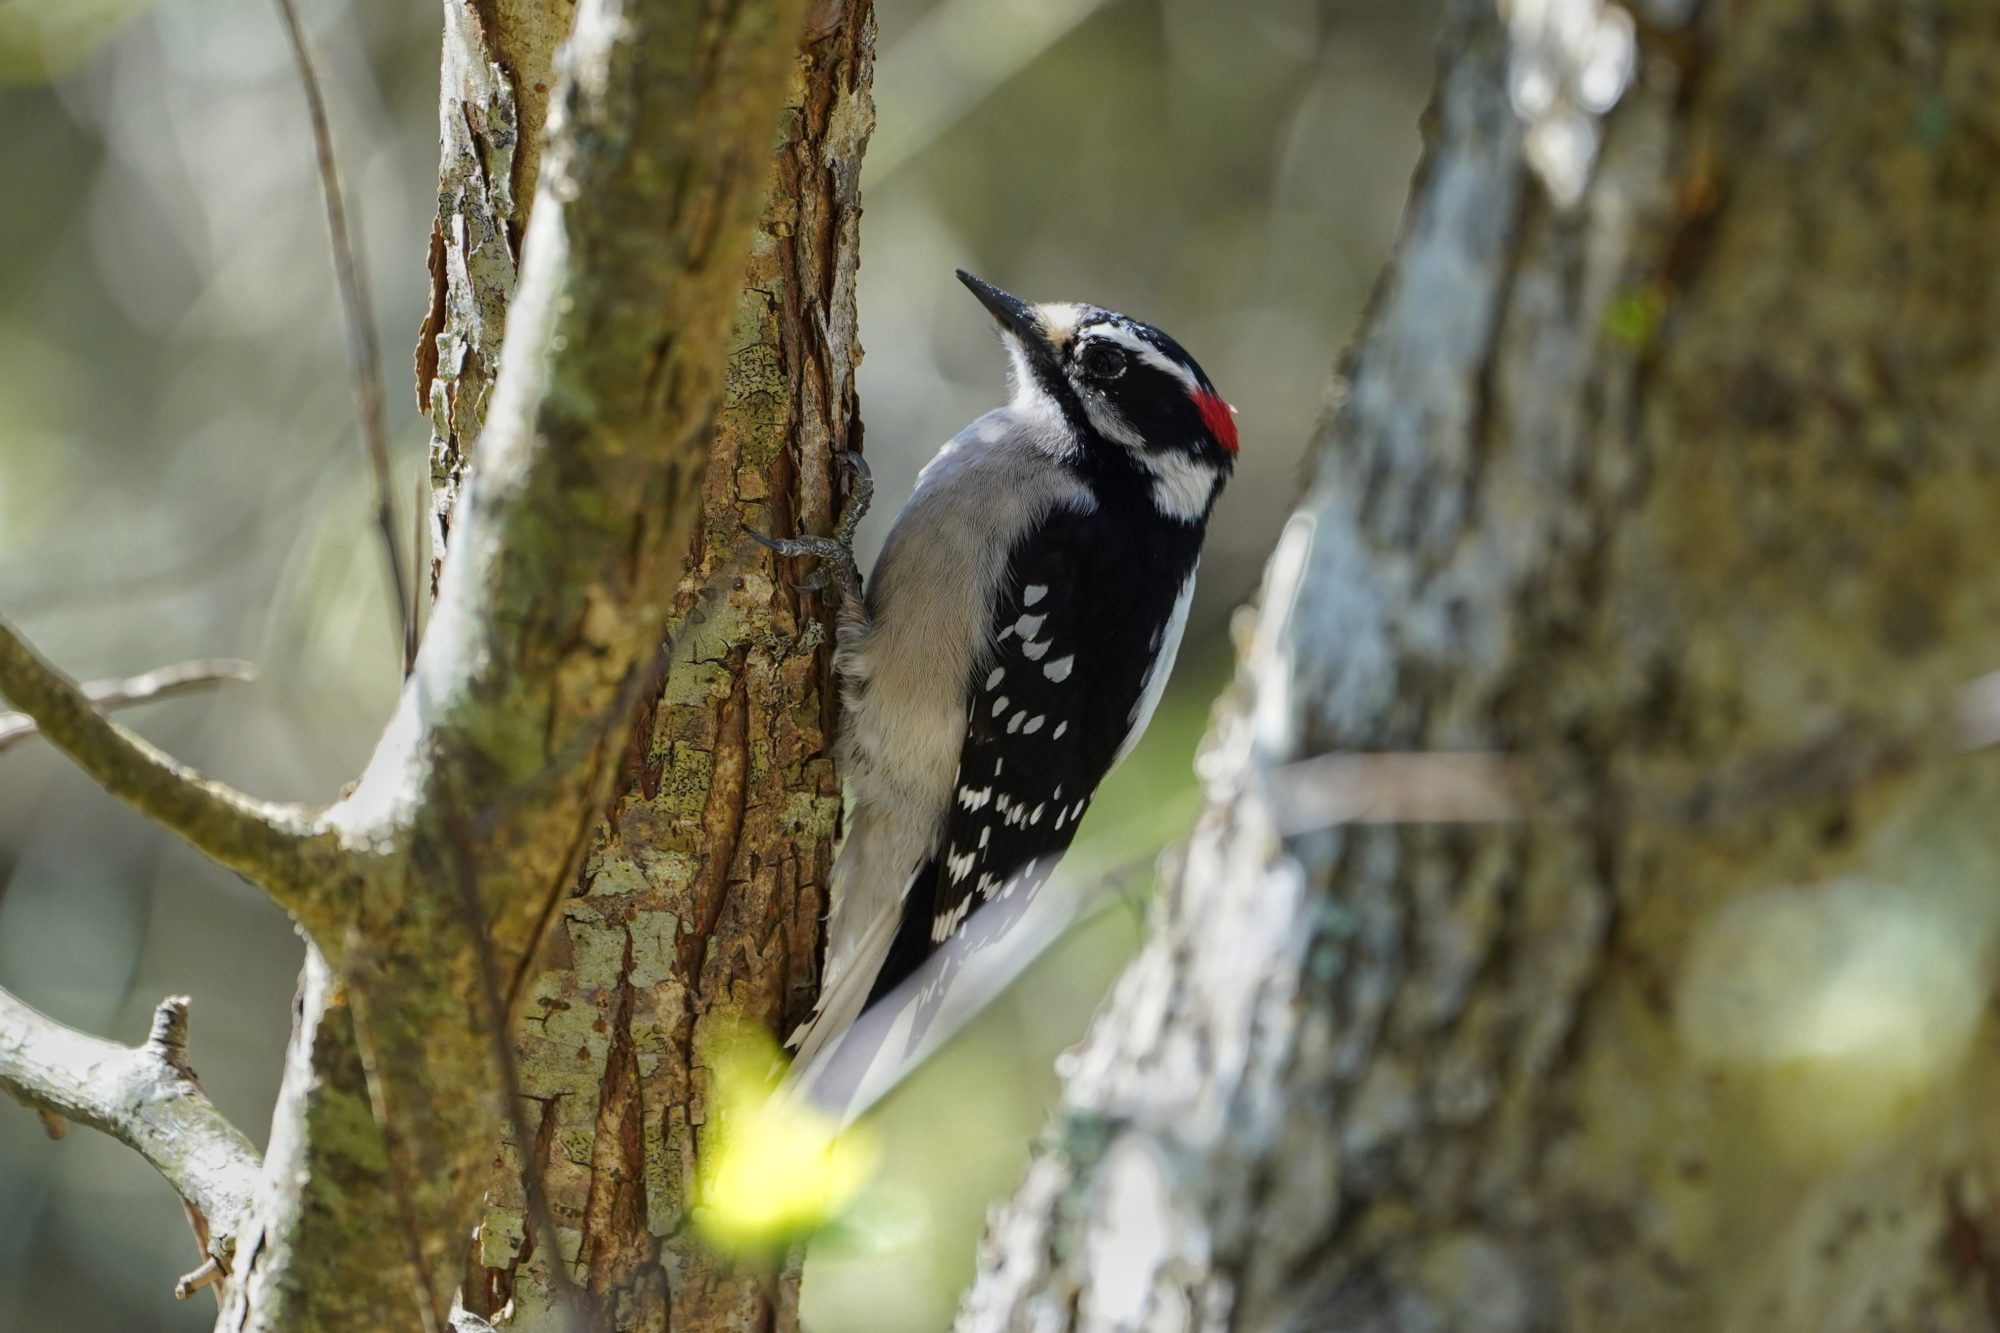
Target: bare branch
x: 278, y: 846
x: 363, y: 356
x: 147, y: 1098
x: 164, y: 683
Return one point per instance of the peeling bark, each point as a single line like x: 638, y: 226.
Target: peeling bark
x: 498, y: 66
x: 620, y: 434
x: 699, y: 901
x: 1665, y: 462
x: 466, y: 831
x: 146, y: 1097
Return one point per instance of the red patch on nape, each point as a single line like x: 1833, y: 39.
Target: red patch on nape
x: 1218, y: 416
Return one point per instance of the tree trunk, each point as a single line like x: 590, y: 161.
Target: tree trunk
x: 699, y: 902
x: 450, y: 859
x: 650, y: 390
x: 1665, y: 468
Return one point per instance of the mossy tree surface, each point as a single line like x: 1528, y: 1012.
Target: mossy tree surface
x: 464, y: 837
x: 698, y: 902
x: 1665, y: 466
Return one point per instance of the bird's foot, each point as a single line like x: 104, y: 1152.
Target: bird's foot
x: 836, y: 553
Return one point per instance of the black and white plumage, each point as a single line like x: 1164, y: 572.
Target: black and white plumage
x: 1018, y: 630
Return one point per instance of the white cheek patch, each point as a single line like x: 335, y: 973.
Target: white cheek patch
x: 1182, y: 485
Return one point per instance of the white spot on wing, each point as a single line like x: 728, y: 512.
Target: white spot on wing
x: 1035, y: 651
x: 1061, y: 727
x: 1033, y: 593
x: 943, y: 926
x: 995, y: 676
x: 1060, y: 668
x: 999, y: 705
x: 1035, y: 723
x: 1029, y: 626
x: 1014, y: 722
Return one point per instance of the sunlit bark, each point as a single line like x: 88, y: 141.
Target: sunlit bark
x: 699, y: 900
x: 1664, y: 465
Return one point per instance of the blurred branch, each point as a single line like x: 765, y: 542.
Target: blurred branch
x: 165, y: 683
x: 1445, y: 787
x: 277, y: 846
x: 146, y: 1097
x: 955, y: 57
x: 363, y: 356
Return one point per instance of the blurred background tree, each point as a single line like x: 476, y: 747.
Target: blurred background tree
x: 1652, y: 541
x: 1655, y: 510
x: 1236, y: 177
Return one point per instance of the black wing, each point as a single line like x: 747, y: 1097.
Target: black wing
x: 1076, y: 628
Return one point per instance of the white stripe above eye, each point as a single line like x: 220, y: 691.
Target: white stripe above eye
x: 1142, y: 349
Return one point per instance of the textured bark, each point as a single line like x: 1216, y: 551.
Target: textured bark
x: 493, y: 99
x: 1665, y: 465
x: 699, y: 901
x: 465, y: 833
x: 146, y: 1097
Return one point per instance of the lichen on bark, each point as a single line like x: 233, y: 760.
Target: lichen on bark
x: 699, y: 900
x: 464, y: 834
x: 1662, y: 464
x: 497, y: 66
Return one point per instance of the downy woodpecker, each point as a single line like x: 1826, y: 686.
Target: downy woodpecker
x: 1016, y: 635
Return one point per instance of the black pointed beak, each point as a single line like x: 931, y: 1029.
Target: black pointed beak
x: 1014, y: 314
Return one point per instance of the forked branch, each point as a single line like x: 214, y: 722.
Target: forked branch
x: 278, y: 846
x: 162, y: 683
x: 147, y: 1098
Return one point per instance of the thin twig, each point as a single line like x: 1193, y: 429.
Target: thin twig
x: 211, y: 1272
x: 278, y: 846
x: 362, y: 355
x: 166, y: 682
x: 147, y: 1098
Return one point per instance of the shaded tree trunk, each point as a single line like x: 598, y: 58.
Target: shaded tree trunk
x: 645, y: 394
x: 1665, y: 467
x: 456, y: 849
x: 699, y: 900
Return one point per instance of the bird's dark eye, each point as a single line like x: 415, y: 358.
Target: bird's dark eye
x: 1103, y: 363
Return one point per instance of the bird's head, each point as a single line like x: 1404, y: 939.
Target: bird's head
x: 1099, y: 379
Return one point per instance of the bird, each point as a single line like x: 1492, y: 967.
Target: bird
x: 1010, y: 645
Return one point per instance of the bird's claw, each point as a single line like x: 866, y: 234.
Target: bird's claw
x: 860, y: 495
x: 835, y: 553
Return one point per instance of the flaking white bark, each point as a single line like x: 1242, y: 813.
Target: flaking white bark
x: 1630, y: 482
x: 146, y: 1097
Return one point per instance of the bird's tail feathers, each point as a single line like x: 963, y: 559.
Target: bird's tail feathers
x: 817, y: 1040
